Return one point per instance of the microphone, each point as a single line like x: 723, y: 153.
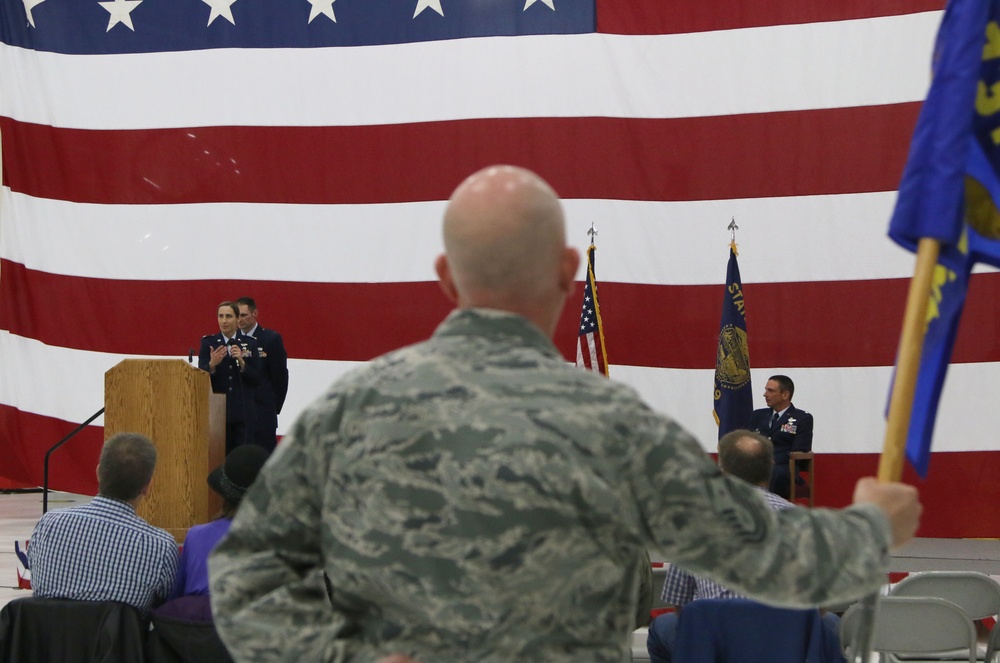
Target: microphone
x: 190, y: 355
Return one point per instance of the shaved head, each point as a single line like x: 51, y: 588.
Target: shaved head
x: 505, y: 245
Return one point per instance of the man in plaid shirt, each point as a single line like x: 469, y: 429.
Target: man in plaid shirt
x: 748, y: 456
x: 103, y: 551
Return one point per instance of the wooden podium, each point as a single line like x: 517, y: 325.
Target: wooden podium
x: 171, y: 402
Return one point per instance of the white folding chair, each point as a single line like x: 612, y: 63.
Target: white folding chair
x: 639, y: 652
x: 926, y: 627
x: 993, y: 645
x: 976, y: 593
x: 659, y: 577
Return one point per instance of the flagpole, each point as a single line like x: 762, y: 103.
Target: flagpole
x: 890, y: 466
x: 911, y: 342
x: 591, y: 325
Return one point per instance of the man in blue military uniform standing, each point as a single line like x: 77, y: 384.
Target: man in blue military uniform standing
x: 231, y: 357
x: 789, y: 428
x: 273, y: 363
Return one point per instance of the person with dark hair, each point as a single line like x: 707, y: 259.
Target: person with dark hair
x: 742, y: 454
x: 270, y: 393
x: 103, y: 551
x: 789, y: 429
x: 230, y: 480
x: 231, y: 358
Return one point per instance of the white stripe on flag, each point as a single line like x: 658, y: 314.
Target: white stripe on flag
x: 397, y: 242
x: 725, y: 72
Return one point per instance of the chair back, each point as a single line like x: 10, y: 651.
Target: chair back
x: 993, y: 644
x: 802, y: 461
x: 976, y: 593
x: 910, y: 626
x: 744, y: 631
x: 659, y: 578
x: 69, y: 631
x: 175, y: 640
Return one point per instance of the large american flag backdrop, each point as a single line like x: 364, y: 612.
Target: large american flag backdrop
x: 162, y: 155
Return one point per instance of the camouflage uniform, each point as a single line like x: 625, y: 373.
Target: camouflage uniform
x: 476, y: 498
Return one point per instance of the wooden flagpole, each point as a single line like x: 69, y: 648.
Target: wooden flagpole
x: 890, y: 467
x: 911, y: 343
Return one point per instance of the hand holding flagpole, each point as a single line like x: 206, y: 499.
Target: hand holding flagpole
x: 890, y: 467
x: 931, y: 209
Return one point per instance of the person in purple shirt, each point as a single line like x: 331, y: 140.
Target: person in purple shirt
x: 230, y: 480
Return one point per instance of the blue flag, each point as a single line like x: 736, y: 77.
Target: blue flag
x: 949, y: 190
x: 733, y: 391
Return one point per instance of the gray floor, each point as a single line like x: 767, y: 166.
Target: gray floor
x: 981, y: 555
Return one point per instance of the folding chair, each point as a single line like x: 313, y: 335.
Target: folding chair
x: 638, y: 642
x: 993, y: 645
x: 659, y: 577
x: 975, y: 593
x: 928, y: 627
x: 801, y: 461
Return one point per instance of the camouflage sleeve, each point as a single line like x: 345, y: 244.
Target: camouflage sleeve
x: 721, y: 528
x: 268, y: 591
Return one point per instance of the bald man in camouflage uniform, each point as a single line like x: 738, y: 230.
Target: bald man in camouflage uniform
x: 475, y: 498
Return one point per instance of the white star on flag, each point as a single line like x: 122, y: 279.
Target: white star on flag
x: 424, y: 4
x: 324, y: 7
x: 221, y: 8
x: 28, y: 6
x: 551, y: 4
x: 121, y: 12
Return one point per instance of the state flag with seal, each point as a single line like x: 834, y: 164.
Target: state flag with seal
x: 733, y: 389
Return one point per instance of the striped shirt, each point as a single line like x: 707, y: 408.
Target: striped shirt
x: 681, y: 587
x: 102, y: 551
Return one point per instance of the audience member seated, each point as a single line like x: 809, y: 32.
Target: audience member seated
x: 103, y: 551
x: 230, y: 480
x: 748, y: 456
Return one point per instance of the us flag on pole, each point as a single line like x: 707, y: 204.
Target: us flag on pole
x: 590, y: 351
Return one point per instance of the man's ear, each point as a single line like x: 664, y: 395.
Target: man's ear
x: 445, y: 279
x: 568, y: 268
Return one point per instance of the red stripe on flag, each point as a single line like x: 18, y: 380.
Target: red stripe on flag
x: 345, y: 321
x: 836, y: 473
x: 24, y: 462
x: 617, y: 17
x: 840, y: 150
x: 821, y: 324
